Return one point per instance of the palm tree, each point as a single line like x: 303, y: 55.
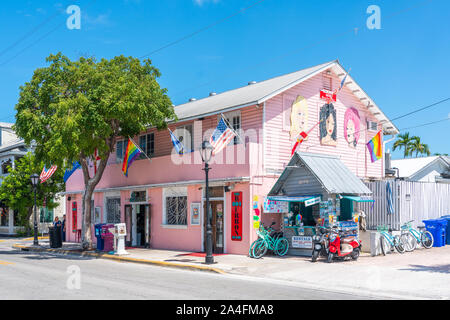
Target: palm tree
x: 403, y: 141
x: 418, y: 147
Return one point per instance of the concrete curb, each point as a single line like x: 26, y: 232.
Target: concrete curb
x: 121, y: 258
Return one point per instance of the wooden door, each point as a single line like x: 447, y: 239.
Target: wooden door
x: 217, y: 225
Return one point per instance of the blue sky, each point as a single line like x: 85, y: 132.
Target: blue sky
x: 403, y: 66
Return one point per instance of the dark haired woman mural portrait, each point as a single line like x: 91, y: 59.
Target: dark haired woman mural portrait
x: 328, y: 125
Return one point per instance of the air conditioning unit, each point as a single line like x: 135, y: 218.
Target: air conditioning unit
x: 372, y: 126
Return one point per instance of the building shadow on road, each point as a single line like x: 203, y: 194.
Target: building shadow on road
x: 445, y: 268
x: 43, y: 255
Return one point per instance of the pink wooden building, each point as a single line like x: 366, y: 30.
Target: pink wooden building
x: 162, y: 200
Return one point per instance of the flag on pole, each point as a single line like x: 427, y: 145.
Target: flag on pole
x: 221, y: 137
x: 75, y: 166
x: 132, y: 152
x: 302, y: 136
x: 46, y: 174
x: 343, y: 80
x: 375, y: 147
x: 176, y: 143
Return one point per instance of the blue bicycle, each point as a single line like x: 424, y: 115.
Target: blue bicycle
x: 388, y: 241
x: 412, y: 237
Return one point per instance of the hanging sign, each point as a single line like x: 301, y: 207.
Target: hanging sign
x: 312, y: 201
x: 236, y: 216
x: 271, y: 206
x: 327, y: 95
x: 74, y: 217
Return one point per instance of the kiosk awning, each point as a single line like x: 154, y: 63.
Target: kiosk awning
x: 358, y: 199
x: 308, y: 200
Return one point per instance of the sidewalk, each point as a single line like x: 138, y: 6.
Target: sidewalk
x: 420, y: 274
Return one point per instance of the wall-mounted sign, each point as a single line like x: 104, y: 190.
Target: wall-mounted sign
x: 195, y: 213
x: 302, y: 242
x: 327, y: 95
x: 74, y: 217
x: 236, y: 216
x: 312, y: 201
x: 271, y: 206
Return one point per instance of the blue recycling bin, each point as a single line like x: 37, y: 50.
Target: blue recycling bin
x: 438, y: 228
x: 448, y: 227
x: 98, y: 235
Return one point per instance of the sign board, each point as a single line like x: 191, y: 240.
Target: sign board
x: 236, y: 216
x: 302, y: 242
x: 74, y: 217
x: 312, y: 201
x: 327, y: 95
x: 271, y: 206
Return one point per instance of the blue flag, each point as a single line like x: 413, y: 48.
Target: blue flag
x: 176, y: 143
x: 75, y: 166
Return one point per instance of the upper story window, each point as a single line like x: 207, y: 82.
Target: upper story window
x: 147, y: 144
x: 120, y: 150
x: 234, y: 119
x: 185, y: 135
x: 372, y: 126
x: 5, y: 166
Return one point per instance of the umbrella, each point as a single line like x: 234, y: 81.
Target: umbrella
x: 390, y: 207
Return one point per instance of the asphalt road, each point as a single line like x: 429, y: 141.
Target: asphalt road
x: 45, y: 276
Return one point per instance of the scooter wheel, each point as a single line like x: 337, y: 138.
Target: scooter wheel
x: 315, y: 255
x: 330, y: 257
x: 355, y: 254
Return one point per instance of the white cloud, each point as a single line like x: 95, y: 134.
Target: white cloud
x: 202, y: 2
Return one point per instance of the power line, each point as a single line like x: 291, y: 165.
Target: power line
x: 254, y: 3
x: 425, y: 124
x: 423, y: 108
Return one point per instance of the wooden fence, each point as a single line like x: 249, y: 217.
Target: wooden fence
x: 411, y: 201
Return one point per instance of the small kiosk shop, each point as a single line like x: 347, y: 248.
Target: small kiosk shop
x: 315, y: 190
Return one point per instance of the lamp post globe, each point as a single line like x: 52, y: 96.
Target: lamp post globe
x: 206, y: 153
x: 34, y: 182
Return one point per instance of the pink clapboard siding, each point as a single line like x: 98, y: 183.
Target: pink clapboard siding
x: 279, y: 142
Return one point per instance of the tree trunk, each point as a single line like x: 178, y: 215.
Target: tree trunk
x: 27, y: 221
x: 89, y: 187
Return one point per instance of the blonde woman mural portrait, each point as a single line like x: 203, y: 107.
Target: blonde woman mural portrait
x: 328, y: 125
x: 299, y: 117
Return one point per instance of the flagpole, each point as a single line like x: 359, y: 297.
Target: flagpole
x: 137, y: 146
x: 232, y: 129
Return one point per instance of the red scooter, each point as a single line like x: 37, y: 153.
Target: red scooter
x: 342, y: 246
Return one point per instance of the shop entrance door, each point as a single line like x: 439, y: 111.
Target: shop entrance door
x: 137, y: 218
x: 217, y: 224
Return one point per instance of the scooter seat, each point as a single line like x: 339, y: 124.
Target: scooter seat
x: 348, y: 239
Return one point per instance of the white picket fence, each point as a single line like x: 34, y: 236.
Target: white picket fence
x: 411, y: 201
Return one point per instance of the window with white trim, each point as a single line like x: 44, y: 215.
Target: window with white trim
x: 120, y: 151
x: 234, y: 120
x: 147, y: 144
x: 175, y: 206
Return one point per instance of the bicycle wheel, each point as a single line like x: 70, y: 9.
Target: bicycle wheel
x: 281, y: 247
x: 398, y: 245
x: 250, y: 251
x: 426, y: 239
x: 259, y: 250
x: 409, y: 242
x: 384, y: 244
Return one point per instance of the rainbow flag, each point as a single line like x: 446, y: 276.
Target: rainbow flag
x: 131, y: 154
x: 375, y: 147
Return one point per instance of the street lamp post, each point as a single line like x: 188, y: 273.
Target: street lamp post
x: 206, y: 152
x: 34, y: 183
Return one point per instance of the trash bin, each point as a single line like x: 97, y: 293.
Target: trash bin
x: 55, y: 237
x: 108, y: 238
x: 98, y: 235
x: 437, y: 227
x: 448, y: 227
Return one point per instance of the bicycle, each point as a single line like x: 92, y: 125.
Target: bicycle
x: 277, y: 243
x: 412, y: 237
x: 389, y: 241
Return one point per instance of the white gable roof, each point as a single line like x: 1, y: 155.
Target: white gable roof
x: 262, y: 91
x: 409, y: 167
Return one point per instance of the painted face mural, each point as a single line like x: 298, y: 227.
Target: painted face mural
x: 299, y: 117
x: 351, y: 127
x: 328, y: 125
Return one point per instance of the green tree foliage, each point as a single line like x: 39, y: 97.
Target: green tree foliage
x: 72, y: 108
x: 403, y: 141
x: 17, y: 192
x: 411, y: 145
x: 416, y: 146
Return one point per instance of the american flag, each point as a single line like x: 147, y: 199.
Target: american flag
x: 221, y: 137
x: 46, y: 174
